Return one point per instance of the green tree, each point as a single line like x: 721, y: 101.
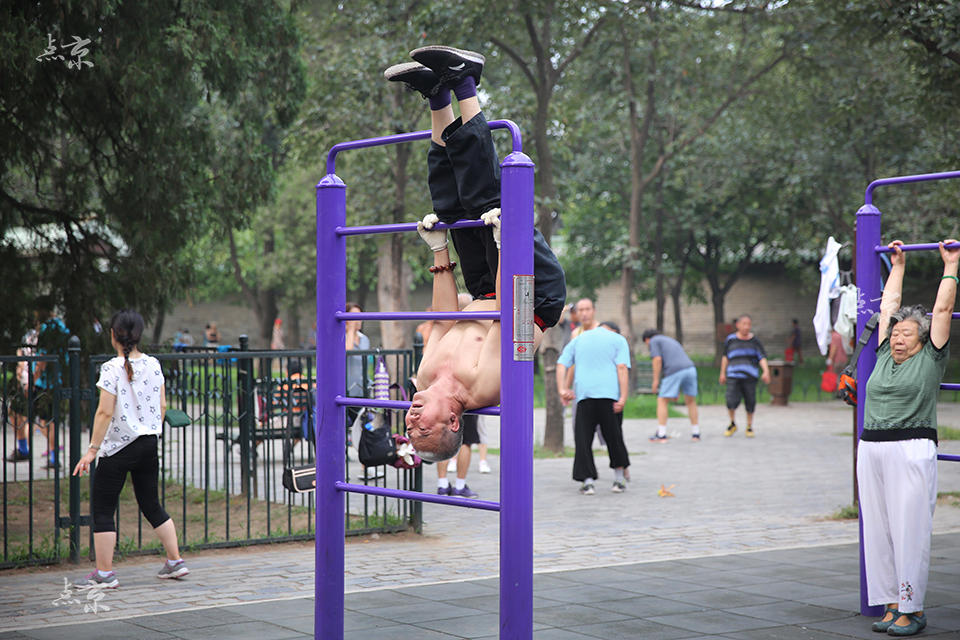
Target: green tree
x: 113, y: 168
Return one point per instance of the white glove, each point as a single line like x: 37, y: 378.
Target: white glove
x: 492, y: 217
x: 436, y: 240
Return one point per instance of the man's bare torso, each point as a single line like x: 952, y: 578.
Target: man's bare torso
x: 470, y: 350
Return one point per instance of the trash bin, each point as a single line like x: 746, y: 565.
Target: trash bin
x: 781, y: 381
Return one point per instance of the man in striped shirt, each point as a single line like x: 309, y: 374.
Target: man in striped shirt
x: 743, y: 359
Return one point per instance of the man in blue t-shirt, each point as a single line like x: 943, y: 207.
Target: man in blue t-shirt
x: 743, y: 359
x: 600, y: 382
x: 673, y: 373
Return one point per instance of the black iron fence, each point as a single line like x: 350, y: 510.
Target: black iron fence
x: 220, y: 478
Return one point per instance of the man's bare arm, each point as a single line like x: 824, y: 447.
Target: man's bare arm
x: 623, y: 378
x: 657, y: 369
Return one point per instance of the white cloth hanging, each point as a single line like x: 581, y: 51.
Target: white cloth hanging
x: 846, y: 324
x: 829, y: 288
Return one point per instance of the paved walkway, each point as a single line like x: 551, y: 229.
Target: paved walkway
x: 732, y: 496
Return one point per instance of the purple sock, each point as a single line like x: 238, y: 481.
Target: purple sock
x: 466, y: 89
x: 440, y: 100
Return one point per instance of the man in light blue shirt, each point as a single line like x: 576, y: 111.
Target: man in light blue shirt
x: 600, y: 382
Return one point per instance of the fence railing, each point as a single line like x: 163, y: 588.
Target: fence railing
x: 220, y: 478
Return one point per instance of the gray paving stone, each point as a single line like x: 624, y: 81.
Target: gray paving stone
x: 474, y: 626
x: 646, y: 606
x: 785, y: 633
x: 723, y: 598
x: 252, y: 630
x: 423, y: 612
x: 118, y: 629
x: 712, y: 622
x: 785, y: 612
x: 586, y: 593
x: 633, y: 630
x: 399, y: 632
x: 570, y: 615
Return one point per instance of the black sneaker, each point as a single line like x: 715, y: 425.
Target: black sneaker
x: 449, y: 64
x: 416, y: 76
x: 16, y: 456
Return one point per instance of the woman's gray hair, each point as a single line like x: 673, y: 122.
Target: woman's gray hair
x: 916, y: 313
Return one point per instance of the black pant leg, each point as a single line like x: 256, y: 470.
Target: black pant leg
x: 443, y: 185
x: 550, y: 283
x: 475, y: 164
x: 474, y: 247
x: 144, y: 477
x: 107, y: 484
x: 611, y: 426
x: 584, y: 425
x: 733, y: 393
x: 749, y: 394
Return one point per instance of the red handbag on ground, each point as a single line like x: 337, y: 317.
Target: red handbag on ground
x: 828, y: 381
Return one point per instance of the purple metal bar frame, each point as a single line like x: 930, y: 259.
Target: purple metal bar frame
x: 416, y: 495
x: 347, y: 401
x: 410, y: 137
x: 416, y: 315
x: 868, y: 246
x: 922, y: 177
x: 929, y: 246
x: 403, y: 227
x: 516, y: 396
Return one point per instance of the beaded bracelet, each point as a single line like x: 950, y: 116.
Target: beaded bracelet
x: 437, y: 268
x: 955, y: 278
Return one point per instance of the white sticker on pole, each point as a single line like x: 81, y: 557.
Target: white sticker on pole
x: 523, y: 318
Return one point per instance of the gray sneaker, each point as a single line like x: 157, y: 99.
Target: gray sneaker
x: 95, y: 581
x: 618, y: 487
x: 177, y: 570
x: 587, y: 489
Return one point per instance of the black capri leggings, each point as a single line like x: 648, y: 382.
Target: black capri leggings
x: 141, y: 460
x: 745, y: 388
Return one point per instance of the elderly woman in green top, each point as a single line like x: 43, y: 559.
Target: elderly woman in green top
x: 897, y: 454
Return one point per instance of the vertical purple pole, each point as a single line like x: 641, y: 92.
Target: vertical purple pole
x: 516, y: 408
x: 330, y: 419
x: 868, y: 286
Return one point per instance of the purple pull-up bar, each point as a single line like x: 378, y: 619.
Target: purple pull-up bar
x: 400, y: 404
x: 516, y: 391
x: 929, y: 246
x: 868, y: 247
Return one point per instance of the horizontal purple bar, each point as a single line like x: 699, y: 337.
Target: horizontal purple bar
x: 948, y: 457
x: 922, y: 177
x: 930, y: 246
x: 346, y: 316
x: 347, y: 401
x: 409, y: 137
x: 416, y: 495
x: 402, y: 227
x: 950, y: 386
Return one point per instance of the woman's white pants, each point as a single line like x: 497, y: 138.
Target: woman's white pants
x: 898, y: 493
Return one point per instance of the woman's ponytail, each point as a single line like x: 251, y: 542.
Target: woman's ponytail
x: 127, y: 327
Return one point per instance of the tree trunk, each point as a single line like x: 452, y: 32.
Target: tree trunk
x: 550, y: 349
x: 393, y: 284
x: 718, y: 297
x: 660, y: 284
x: 291, y: 337
x: 158, y: 324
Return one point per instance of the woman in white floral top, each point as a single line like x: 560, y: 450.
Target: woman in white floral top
x: 128, y: 422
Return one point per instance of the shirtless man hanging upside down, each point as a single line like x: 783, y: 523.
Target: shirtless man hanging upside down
x: 460, y: 369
